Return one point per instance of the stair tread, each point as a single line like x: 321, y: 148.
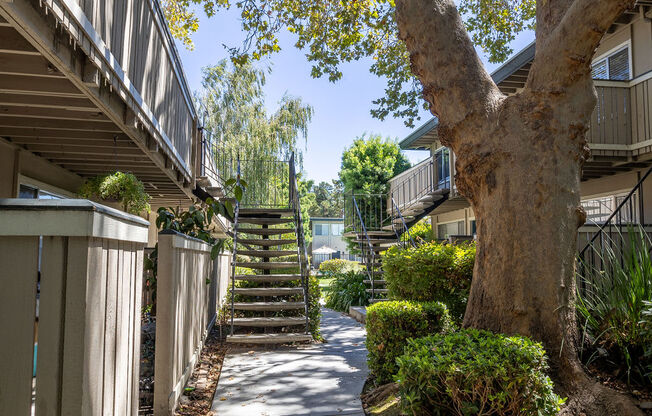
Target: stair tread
x: 378, y: 300
x: 376, y: 282
x: 267, y: 306
x: 265, y: 231
x: 265, y: 242
x: 267, y: 253
x: 269, y: 265
x: 268, y: 277
x: 268, y: 291
x: 264, y: 220
x: 261, y: 211
x: 271, y: 321
x: 268, y: 338
x: 377, y: 290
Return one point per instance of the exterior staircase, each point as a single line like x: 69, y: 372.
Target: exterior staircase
x: 270, y: 304
x: 378, y: 221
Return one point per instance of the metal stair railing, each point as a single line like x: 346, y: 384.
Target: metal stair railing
x: 302, y: 252
x: 236, y: 215
x: 418, y: 183
x: 396, y: 215
x: 371, y: 256
x: 591, y: 256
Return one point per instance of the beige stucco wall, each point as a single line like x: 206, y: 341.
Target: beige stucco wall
x: 19, y: 166
x: 464, y: 214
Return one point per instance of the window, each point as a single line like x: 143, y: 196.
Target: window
x: 442, y: 164
x: 32, y: 192
x: 337, y: 229
x: 321, y: 229
x: 614, y: 67
x: 473, y: 228
x: 451, y: 228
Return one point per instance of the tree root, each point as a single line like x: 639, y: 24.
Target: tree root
x: 587, y: 397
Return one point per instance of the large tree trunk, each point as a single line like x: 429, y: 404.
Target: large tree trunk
x: 518, y: 161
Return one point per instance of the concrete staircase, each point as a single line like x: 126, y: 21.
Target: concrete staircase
x: 270, y: 306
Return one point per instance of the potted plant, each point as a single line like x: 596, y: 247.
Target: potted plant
x: 120, y: 187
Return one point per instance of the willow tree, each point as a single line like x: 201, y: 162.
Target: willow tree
x: 518, y: 157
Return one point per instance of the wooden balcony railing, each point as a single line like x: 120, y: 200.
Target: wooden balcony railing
x: 621, y: 120
x: 130, y: 44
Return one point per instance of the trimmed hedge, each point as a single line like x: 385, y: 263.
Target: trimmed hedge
x: 472, y: 372
x: 346, y: 290
x: 338, y: 266
x: 431, y: 272
x: 389, y: 326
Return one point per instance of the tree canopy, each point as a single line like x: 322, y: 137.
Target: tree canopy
x: 369, y: 164
x: 232, y: 101
x: 336, y: 32
x: 326, y: 198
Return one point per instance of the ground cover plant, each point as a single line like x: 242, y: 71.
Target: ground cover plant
x: 390, y: 324
x: 613, y: 307
x: 473, y: 372
x: 431, y: 272
x: 346, y: 290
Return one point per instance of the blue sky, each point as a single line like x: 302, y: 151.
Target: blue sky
x: 341, y: 109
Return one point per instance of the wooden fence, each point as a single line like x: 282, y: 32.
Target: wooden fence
x: 189, y: 285
x: 70, y: 292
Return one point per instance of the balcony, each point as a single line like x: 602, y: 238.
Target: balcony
x: 620, y: 130
x: 97, y: 86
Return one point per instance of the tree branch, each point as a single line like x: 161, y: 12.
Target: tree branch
x: 549, y: 14
x: 455, y: 83
x: 564, y: 56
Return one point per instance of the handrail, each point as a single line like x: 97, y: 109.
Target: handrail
x: 398, y: 188
x: 236, y: 214
x: 302, y: 252
x: 405, y: 227
x: 370, y: 265
x: 600, y: 231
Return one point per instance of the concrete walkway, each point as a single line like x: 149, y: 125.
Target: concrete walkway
x: 323, y: 379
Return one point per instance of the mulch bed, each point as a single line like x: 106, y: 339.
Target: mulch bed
x: 642, y: 394
x: 198, y: 396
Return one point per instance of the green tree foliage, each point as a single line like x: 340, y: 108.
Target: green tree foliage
x: 333, y: 33
x: 369, y: 164
x: 233, y: 102
x: 325, y: 198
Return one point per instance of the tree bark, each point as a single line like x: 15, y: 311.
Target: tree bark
x: 518, y: 161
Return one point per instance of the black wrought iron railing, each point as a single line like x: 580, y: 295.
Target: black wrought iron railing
x: 236, y: 215
x: 369, y: 210
x: 302, y: 250
x: 400, y: 226
x: 612, y: 236
x: 409, y: 187
x: 365, y: 245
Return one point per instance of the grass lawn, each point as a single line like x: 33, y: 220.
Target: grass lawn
x: 324, y: 283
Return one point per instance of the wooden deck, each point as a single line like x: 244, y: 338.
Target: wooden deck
x: 96, y: 86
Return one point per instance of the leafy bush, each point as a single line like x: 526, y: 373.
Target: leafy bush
x: 338, y: 266
x: 389, y: 326
x: 346, y: 290
x: 314, y: 308
x: 612, y: 304
x: 431, y: 272
x: 473, y: 372
x: 122, y: 187
x: 420, y: 232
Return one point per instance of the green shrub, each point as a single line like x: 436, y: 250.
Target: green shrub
x: 431, y: 272
x: 338, y: 266
x: 473, y: 372
x: 120, y: 186
x: 314, y: 308
x: 611, y: 307
x: 346, y: 290
x: 389, y: 326
x: 646, y: 322
x: 420, y: 232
